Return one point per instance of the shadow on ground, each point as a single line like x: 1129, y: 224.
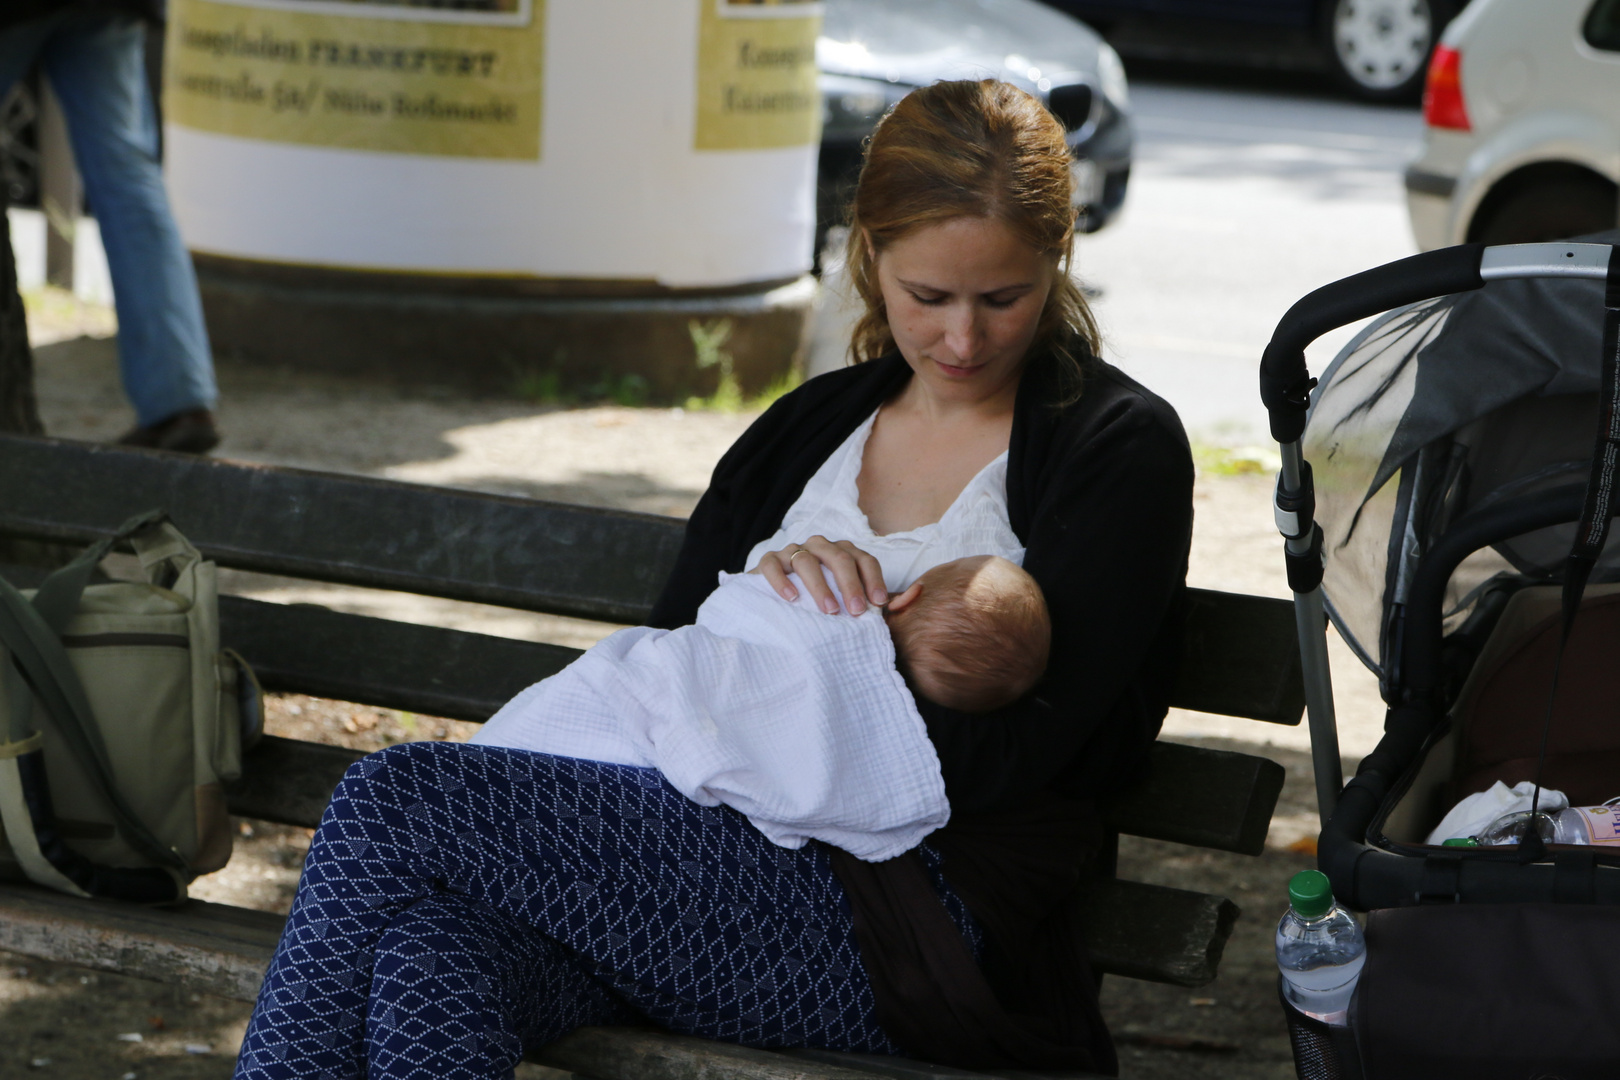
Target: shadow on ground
x: 72, y: 1024
x: 659, y: 463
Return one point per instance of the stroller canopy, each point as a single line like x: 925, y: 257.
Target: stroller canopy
x: 1440, y: 408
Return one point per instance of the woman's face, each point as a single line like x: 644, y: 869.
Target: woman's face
x: 964, y: 298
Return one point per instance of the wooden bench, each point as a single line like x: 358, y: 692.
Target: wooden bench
x: 1240, y: 660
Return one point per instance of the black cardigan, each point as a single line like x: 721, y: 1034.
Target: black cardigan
x: 1100, y: 494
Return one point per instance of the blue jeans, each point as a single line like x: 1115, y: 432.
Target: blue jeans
x: 95, y: 62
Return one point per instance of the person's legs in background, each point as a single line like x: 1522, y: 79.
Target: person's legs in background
x: 20, y: 46
x: 95, y: 62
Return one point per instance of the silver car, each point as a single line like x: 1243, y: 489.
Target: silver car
x: 874, y: 52
x: 1523, y: 125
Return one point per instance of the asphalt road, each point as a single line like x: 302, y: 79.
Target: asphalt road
x: 1241, y: 201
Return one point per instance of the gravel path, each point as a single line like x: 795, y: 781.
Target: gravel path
x: 655, y: 460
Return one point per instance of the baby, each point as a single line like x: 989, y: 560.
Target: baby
x: 802, y: 721
x: 972, y: 634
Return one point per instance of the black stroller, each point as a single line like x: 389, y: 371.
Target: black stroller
x: 1455, y: 533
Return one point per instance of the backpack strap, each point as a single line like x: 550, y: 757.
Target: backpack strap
x: 25, y: 811
x: 18, y: 821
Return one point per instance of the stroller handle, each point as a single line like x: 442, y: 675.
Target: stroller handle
x: 1286, y: 384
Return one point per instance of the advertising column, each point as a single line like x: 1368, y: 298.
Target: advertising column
x: 489, y: 190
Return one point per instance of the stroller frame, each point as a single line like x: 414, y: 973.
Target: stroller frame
x: 1367, y: 876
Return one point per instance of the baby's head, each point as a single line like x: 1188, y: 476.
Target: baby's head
x: 972, y: 634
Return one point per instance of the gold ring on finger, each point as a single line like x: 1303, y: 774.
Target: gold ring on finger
x: 796, y: 554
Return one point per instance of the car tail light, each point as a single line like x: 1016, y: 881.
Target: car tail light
x: 1443, y: 104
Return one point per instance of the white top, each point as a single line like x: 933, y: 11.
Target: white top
x: 797, y: 718
x: 975, y: 524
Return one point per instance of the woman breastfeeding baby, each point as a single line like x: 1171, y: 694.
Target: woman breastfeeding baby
x: 780, y: 817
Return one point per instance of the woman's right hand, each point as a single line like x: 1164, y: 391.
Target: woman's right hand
x: 859, y: 575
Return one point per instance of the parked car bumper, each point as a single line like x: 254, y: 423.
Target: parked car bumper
x: 1474, y: 166
x: 1429, y: 214
x: 1101, y: 163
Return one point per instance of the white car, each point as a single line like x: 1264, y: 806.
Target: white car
x: 1523, y: 115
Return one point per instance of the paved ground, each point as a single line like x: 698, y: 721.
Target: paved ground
x: 1242, y: 201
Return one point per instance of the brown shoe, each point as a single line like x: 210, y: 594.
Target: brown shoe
x: 191, y: 432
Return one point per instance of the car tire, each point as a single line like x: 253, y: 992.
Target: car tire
x: 1551, y: 210
x: 1379, y: 49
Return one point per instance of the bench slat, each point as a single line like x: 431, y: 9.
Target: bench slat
x: 627, y: 1053
x: 211, y: 947
x: 288, y: 781
x: 1240, y: 657
x: 898, y: 1068
x: 623, y: 1053
x: 1155, y: 932
x: 423, y: 669
x: 1141, y: 931
x: 1208, y: 798
x: 353, y: 530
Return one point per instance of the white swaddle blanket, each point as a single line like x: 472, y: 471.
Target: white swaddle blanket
x: 796, y: 718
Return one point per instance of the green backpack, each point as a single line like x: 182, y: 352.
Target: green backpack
x: 121, y: 720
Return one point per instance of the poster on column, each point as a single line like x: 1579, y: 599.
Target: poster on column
x: 450, y: 78
x: 756, y: 87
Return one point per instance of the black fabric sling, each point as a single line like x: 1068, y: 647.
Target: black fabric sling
x: 1032, y: 1004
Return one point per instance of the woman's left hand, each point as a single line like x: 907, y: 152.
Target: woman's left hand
x: 859, y: 574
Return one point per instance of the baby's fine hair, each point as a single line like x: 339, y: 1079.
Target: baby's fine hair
x: 977, y: 638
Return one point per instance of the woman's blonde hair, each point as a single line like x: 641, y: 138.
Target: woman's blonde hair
x: 982, y: 149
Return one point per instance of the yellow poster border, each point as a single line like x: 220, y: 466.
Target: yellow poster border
x: 279, y: 72
x: 772, y: 102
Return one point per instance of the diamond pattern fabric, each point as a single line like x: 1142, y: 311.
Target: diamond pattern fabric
x: 462, y: 902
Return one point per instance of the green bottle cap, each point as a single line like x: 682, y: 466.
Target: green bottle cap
x: 1460, y: 841
x: 1310, y: 894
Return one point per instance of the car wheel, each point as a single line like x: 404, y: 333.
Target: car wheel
x: 1379, y: 49
x: 1552, y: 210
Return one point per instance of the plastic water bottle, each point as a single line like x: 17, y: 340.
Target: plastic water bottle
x: 1320, y: 950
x: 1571, y: 825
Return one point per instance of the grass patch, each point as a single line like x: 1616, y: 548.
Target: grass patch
x: 1235, y: 460
x: 708, y: 341
x: 730, y: 399
x: 547, y: 388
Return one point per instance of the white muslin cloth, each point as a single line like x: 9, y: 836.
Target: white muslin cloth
x: 1470, y: 816
x: 796, y: 718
